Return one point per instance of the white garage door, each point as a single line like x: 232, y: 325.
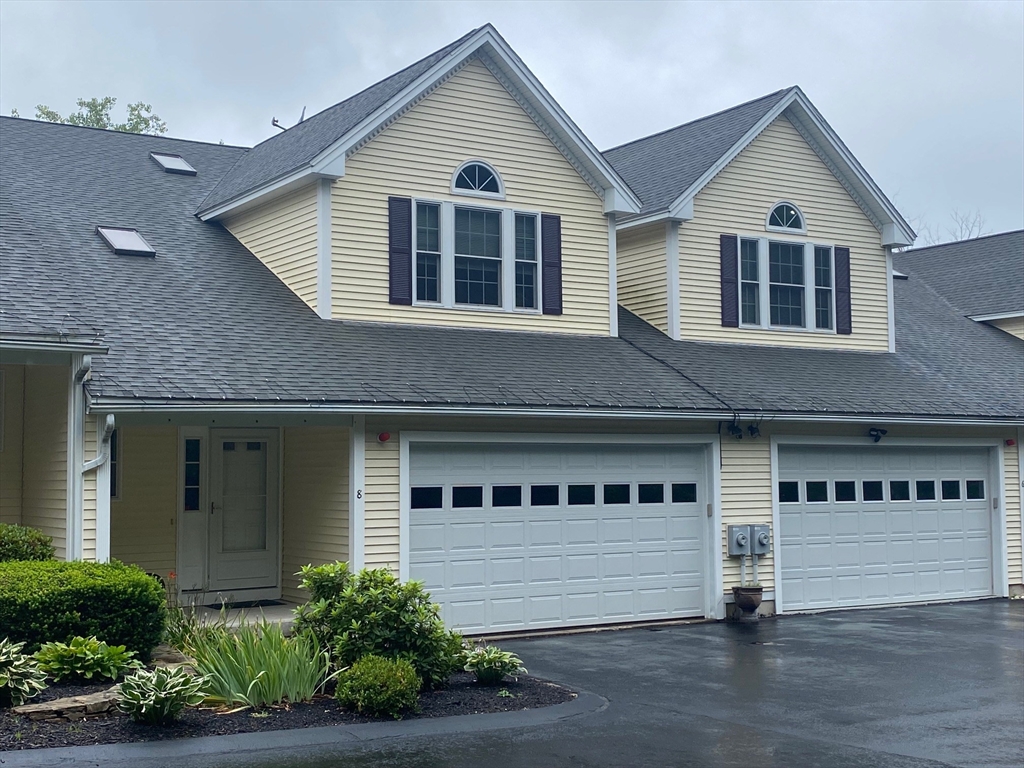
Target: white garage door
x: 878, y: 525
x: 529, y: 536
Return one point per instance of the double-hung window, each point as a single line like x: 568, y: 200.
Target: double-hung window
x: 476, y: 256
x: 786, y: 285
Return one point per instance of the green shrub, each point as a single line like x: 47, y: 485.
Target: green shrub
x: 43, y: 602
x: 257, y: 665
x: 379, y: 687
x: 371, y: 612
x: 84, y: 660
x: 157, y: 697
x: 490, y: 664
x: 18, y: 542
x: 20, y: 675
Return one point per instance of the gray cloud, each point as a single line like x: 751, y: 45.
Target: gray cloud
x: 929, y: 96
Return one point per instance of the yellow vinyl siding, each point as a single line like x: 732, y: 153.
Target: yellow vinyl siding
x: 89, y: 493
x: 1012, y: 325
x: 642, y: 276
x: 143, y: 521
x: 1012, y: 478
x: 12, y: 421
x: 380, y: 500
x: 469, y: 116
x: 44, y: 455
x: 779, y: 165
x: 282, y: 234
x: 315, y: 514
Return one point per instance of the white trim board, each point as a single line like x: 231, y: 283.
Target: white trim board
x: 996, y: 316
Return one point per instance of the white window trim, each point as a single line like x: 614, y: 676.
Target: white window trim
x: 764, y: 285
x: 786, y: 230
x: 446, y: 287
x: 499, y: 195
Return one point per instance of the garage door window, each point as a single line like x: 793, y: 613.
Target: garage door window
x: 817, y: 491
x: 506, y: 496
x: 468, y: 497
x: 846, y: 490
x: 899, y: 490
x: 684, y: 493
x: 426, y: 498
x: 975, y: 489
x: 543, y: 495
x: 871, y: 490
x: 950, y: 490
x: 925, y: 490
x: 651, y: 493
x: 582, y: 495
x: 616, y: 493
x: 789, y: 492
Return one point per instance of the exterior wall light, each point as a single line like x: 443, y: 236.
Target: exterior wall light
x: 876, y: 434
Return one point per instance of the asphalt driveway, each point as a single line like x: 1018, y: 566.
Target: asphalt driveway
x: 921, y: 686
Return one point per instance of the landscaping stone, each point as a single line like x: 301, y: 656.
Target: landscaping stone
x: 171, y: 658
x: 72, y: 707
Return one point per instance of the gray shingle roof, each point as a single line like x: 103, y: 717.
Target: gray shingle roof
x: 661, y: 167
x: 983, y: 276
x: 296, y: 147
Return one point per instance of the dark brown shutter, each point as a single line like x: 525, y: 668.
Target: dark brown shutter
x: 729, y: 249
x: 843, y: 315
x: 400, y: 249
x: 551, y: 263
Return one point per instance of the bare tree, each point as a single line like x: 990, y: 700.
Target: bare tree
x: 966, y: 226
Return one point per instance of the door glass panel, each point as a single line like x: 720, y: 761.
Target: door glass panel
x: 244, y: 519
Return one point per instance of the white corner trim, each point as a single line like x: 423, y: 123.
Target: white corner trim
x: 102, y: 493
x: 1000, y: 551
x: 672, y: 286
x: 715, y: 540
x: 403, y: 506
x: 75, y: 450
x: 613, y: 279
x: 323, y: 249
x: 890, y: 299
x: 356, y: 493
x: 776, y: 524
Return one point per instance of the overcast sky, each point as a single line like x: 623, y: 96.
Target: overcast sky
x: 929, y: 96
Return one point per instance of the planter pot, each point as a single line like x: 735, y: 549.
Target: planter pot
x: 747, y: 598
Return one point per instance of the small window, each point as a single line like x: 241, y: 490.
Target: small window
x: 616, y: 493
x: 427, y: 498
x: 817, y: 491
x: 975, y: 489
x: 872, y: 490
x: 786, y: 284
x: 789, y: 492
x: 684, y: 493
x: 193, y: 450
x: 750, y: 288
x: 468, y: 497
x: 477, y: 177
x: 786, y: 216
x: 925, y: 490
x: 846, y: 490
x: 581, y: 495
x: 899, y: 490
x: 115, y: 467
x: 651, y: 493
x: 950, y: 490
x: 428, y: 252
x: 526, y: 261
x: 823, y: 288
x: 543, y: 495
x: 506, y: 496
x: 173, y: 163
x: 126, y: 242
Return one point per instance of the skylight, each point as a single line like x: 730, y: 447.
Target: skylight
x: 126, y: 242
x: 173, y: 163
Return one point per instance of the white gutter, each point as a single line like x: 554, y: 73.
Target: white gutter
x: 52, y: 346
x: 997, y: 316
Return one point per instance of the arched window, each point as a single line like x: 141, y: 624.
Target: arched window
x: 477, y: 178
x: 787, y: 217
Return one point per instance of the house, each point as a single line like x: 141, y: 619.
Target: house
x: 434, y: 329
x: 981, y: 278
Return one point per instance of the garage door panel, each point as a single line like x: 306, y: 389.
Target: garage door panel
x: 873, y: 552
x: 504, y: 568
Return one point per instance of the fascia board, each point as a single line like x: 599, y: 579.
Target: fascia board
x: 996, y: 316
x: 264, y: 194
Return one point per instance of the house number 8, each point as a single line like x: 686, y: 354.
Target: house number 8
x: 359, y: 493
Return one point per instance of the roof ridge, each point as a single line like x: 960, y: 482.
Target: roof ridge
x: 124, y: 133
x: 961, y: 242
x: 699, y: 119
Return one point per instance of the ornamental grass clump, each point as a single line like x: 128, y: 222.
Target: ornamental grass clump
x: 379, y: 687
x: 85, y: 660
x: 20, y: 675
x: 256, y: 665
x: 157, y: 697
x: 490, y: 664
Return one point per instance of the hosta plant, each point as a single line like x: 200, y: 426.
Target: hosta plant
x: 20, y: 676
x: 85, y: 660
x: 490, y: 664
x: 158, y: 697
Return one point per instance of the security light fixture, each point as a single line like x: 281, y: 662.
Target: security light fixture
x: 126, y: 242
x: 876, y: 434
x: 753, y: 430
x: 173, y: 163
x: 736, y: 430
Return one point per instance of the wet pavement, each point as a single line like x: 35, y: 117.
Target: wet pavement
x: 920, y: 686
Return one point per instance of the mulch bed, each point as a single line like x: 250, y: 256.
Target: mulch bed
x: 462, y: 697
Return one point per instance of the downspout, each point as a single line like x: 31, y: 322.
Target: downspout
x: 81, y: 368
x: 101, y: 463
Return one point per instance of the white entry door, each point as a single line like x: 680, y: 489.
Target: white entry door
x: 244, y: 510
x: 878, y: 525
x: 516, y: 536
